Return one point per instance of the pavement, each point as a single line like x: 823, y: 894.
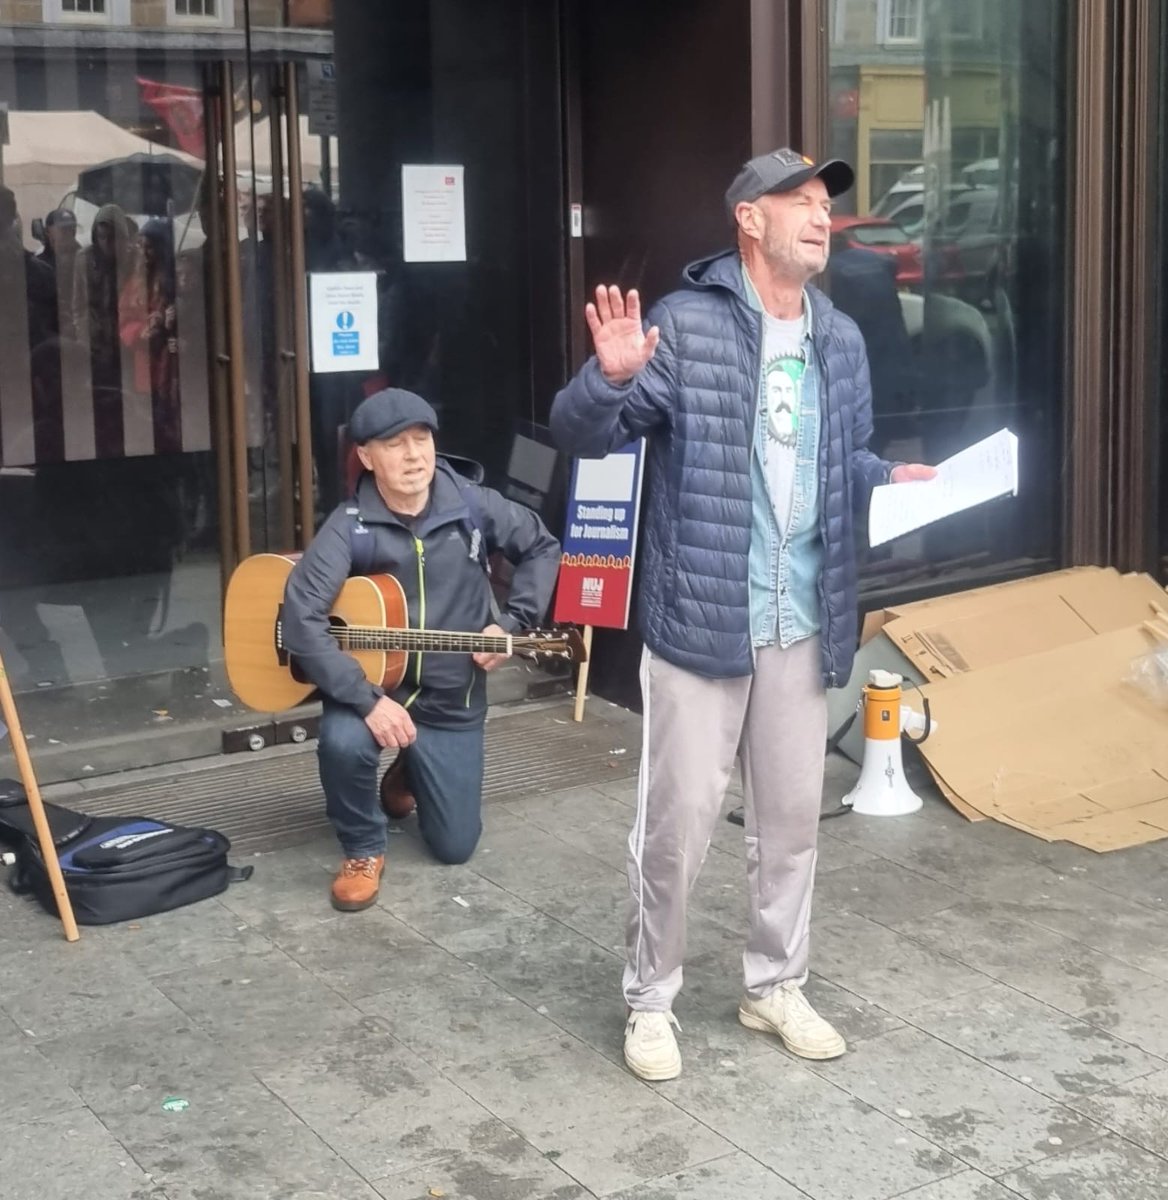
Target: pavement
x: 1003, y: 1001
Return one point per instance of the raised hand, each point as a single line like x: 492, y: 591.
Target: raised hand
x: 622, y: 346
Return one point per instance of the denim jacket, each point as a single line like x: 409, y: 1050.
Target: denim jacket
x: 785, y: 570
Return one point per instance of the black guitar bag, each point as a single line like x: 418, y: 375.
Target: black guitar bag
x: 115, y: 868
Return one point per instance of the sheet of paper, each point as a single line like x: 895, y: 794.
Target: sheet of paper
x: 981, y: 472
x: 433, y: 213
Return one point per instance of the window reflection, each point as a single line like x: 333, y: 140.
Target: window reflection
x: 947, y: 253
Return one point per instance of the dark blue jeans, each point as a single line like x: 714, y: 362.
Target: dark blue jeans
x: 444, y: 770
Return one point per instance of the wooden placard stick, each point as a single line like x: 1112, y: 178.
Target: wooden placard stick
x: 36, y: 806
x: 582, y: 674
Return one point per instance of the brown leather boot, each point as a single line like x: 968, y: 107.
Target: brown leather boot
x: 357, y: 883
x: 397, y: 801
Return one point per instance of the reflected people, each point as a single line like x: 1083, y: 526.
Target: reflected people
x: 149, y: 330
x: 60, y: 256
x: 103, y: 270
x: 863, y: 285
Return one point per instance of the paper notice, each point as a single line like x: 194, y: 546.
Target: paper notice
x: 979, y: 473
x: 433, y: 213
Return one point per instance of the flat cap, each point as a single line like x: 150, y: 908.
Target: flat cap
x: 387, y: 413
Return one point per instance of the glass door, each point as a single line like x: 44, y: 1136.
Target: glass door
x: 148, y: 371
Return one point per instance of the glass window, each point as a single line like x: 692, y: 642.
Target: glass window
x: 903, y: 20
x: 201, y: 12
x: 197, y: 9
x: 959, y: 145
x: 97, y: 12
x: 109, y: 542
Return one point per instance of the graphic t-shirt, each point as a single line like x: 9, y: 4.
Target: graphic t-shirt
x: 780, y: 402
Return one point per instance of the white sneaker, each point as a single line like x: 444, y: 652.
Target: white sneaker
x: 786, y: 1012
x: 650, y: 1047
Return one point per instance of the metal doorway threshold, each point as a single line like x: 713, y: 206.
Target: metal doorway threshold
x: 272, y: 799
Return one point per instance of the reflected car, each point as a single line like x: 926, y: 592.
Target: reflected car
x: 883, y: 237
x: 968, y: 244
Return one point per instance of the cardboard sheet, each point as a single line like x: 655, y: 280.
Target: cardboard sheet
x: 1036, y: 726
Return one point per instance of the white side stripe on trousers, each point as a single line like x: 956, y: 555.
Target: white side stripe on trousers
x: 637, y: 834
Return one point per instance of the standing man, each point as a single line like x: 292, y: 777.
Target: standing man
x: 753, y: 392
x: 411, y: 517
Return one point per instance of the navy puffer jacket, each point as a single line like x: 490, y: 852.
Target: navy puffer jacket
x: 696, y: 402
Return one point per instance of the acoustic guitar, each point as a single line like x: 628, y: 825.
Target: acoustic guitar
x: 368, y: 620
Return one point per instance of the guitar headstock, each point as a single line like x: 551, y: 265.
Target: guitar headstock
x: 554, y: 643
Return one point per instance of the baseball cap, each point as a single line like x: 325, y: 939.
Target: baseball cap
x: 782, y: 170
x: 387, y: 413
x: 65, y: 217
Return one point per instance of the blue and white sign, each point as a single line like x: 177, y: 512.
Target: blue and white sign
x: 344, y: 320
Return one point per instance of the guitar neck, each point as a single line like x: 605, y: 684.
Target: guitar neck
x: 428, y: 641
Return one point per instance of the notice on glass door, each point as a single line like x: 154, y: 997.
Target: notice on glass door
x: 433, y: 214
x: 343, y: 317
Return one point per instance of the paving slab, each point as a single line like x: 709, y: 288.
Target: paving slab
x: 879, y: 964
x: 1061, y: 1056
x: 736, y: 1174
x: 128, y: 1069
x: 836, y: 854
x: 972, y: 1111
x: 1140, y: 872
x: 286, y: 888
x: 600, y: 1125
x: 565, y: 977
x: 31, y: 1088
x: 969, y: 1185
x: 450, y: 1014
x: 379, y: 1106
x: 355, y: 954
x: 56, y: 987
x: 882, y: 891
x: 1138, y: 1110
x: 256, y: 1006
x: 999, y: 942
x: 1134, y: 1015
x: 1107, y: 1169
x: 500, y: 1166
x: 814, y: 1134
x: 69, y: 1155
x: 458, y: 914
x: 195, y: 936
x: 1101, y: 920
x: 596, y: 909
x: 229, y: 1137
x: 529, y: 860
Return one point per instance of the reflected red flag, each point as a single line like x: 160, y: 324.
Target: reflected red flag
x: 182, y: 110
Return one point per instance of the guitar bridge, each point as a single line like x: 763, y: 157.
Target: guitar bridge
x: 281, y: 653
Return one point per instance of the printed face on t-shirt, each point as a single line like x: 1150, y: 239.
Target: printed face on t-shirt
x: 782, y: 403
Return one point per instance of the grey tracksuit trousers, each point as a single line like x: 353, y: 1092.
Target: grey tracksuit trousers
x: 775, y: 721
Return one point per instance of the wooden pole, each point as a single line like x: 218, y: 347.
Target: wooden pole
x: 582, y: 675
x: 36, y: 807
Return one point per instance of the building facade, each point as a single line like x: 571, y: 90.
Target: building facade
x: 162, y: 414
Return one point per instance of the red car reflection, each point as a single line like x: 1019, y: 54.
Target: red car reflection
x: 884, y: 237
